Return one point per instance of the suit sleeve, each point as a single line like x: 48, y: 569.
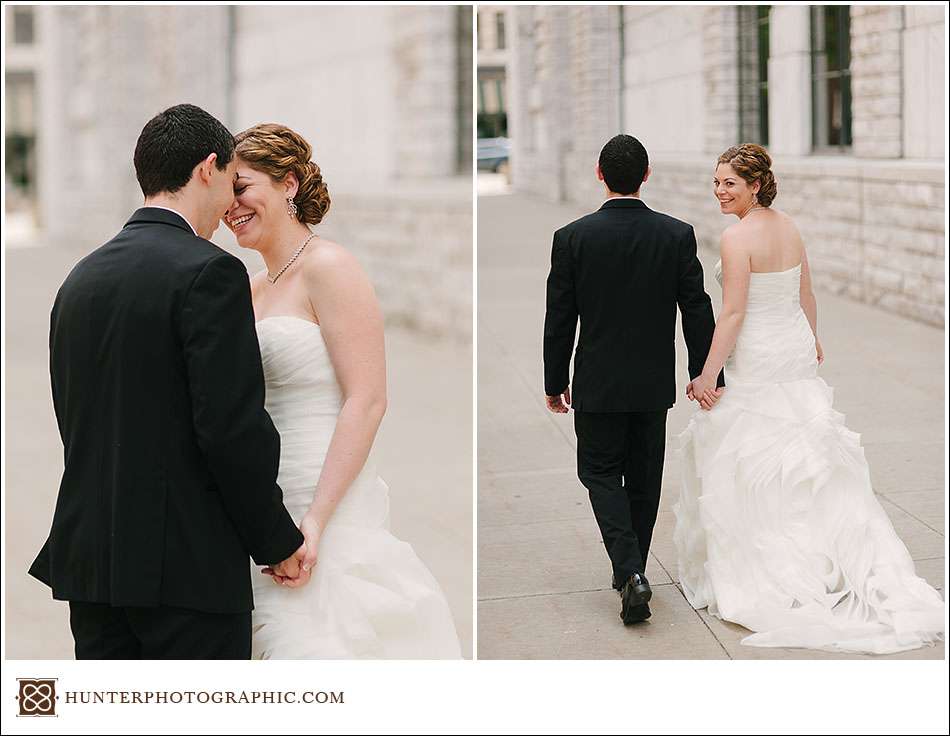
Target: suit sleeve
x: 560, y: 319
x: 695, y: 306
x: 53, y: 377
x: 235, y: 433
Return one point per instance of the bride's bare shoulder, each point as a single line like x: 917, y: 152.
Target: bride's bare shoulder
x: 329, y: 259
x: 736, y: 236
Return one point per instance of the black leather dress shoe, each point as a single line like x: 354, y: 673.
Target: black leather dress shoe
x: 636, y: 614
x: 634, y: 597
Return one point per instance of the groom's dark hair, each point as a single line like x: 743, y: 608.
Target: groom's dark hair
x: 173, y: 142
x: 623, y: 162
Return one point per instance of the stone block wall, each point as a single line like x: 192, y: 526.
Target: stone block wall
x: 876, y: 80
x: 107, y: 71
x: 415, y: 245
x: 594, y: 83
x: 872, y: 218
x: 924, y: 77
x: 540, y: 107
x: 720, y: 39
x: 376, y: 91
x: 874, y: 230
x: 664, y: 89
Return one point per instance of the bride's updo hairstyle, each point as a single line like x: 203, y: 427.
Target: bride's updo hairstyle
x: 276, y: 150
x: 753, y: 164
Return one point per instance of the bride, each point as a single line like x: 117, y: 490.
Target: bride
x: 777, y: 526
x: 361, y: 593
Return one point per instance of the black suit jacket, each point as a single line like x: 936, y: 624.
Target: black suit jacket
x: 170, y: 458
x: 623, y: 270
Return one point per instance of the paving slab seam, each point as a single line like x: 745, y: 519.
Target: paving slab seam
x: 532, y: 391
x: 502, y: 474
x: 912, y: 516
x: 559, y: 592
x: 930, y: 489
x: 697, y: 614
x: 535, y: 523
x: 661, y: 566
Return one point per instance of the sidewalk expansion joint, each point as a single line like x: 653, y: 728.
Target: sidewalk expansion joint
x: 561, y: 592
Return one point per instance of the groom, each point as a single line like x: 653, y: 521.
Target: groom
x: 622, y: 271
x: 170, y: 458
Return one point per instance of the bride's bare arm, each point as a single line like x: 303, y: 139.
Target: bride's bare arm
x: 736, y: 267
x: 807, y: 296
x: 344, y: 301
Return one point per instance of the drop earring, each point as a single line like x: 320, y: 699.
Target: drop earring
x: 291, y: 208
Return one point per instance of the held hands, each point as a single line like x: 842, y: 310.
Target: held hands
x: 704, y: 391
x: 288, y: 570
x: 559, y: 404
x: 295, y: 571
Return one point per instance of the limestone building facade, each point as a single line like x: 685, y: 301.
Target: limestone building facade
x: 849, y: 101
x: 383, y: 93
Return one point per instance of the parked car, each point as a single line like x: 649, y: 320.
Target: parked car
x: 493, y: 153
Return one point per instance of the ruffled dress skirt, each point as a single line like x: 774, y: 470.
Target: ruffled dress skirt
x: 370, y: 596
x: 777, y: 527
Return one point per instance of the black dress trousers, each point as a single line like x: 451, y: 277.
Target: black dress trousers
x: 101, y: 631
x: 620, y: 462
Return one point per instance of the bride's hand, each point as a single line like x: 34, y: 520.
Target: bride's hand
x: 311, y: 529
x: 819, y: 353
x: 704, y: 391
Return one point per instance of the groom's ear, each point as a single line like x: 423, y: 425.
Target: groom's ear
x: 205, y: 168
x: 600, y: 174
x: 646, y: 174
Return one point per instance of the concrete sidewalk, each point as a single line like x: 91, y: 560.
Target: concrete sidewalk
x: 424, y: 453
x: 543, y: 575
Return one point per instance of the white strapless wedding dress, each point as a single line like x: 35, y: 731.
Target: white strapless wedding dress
x: 777, y: 526
x: 370, y: 596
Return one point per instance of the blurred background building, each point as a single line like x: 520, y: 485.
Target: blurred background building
x: 849, y: 101
x: 492, y: 34
x: 491, y: 86
x: 382, y: 93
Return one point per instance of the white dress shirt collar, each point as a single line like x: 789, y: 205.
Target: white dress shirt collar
x: 622, y: 196
x: 159, y: 207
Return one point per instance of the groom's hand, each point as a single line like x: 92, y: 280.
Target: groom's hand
x: 302, y: 576
x: 559, y: 404
x: 289, y: 570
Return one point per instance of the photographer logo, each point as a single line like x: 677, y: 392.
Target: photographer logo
x: 37, y: 697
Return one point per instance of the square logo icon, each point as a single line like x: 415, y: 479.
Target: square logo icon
x: 37, y: 697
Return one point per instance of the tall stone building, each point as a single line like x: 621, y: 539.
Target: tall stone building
x: 383, y: 94
x: 849, y: 101
x: 491, y: 77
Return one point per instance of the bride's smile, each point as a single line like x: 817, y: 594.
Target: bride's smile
x: 237, y: 222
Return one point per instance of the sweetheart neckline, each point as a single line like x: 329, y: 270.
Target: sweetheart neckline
x: 288, y: 316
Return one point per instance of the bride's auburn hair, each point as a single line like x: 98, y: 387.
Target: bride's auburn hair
x: 276, y: 150
x: 753, y: 163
